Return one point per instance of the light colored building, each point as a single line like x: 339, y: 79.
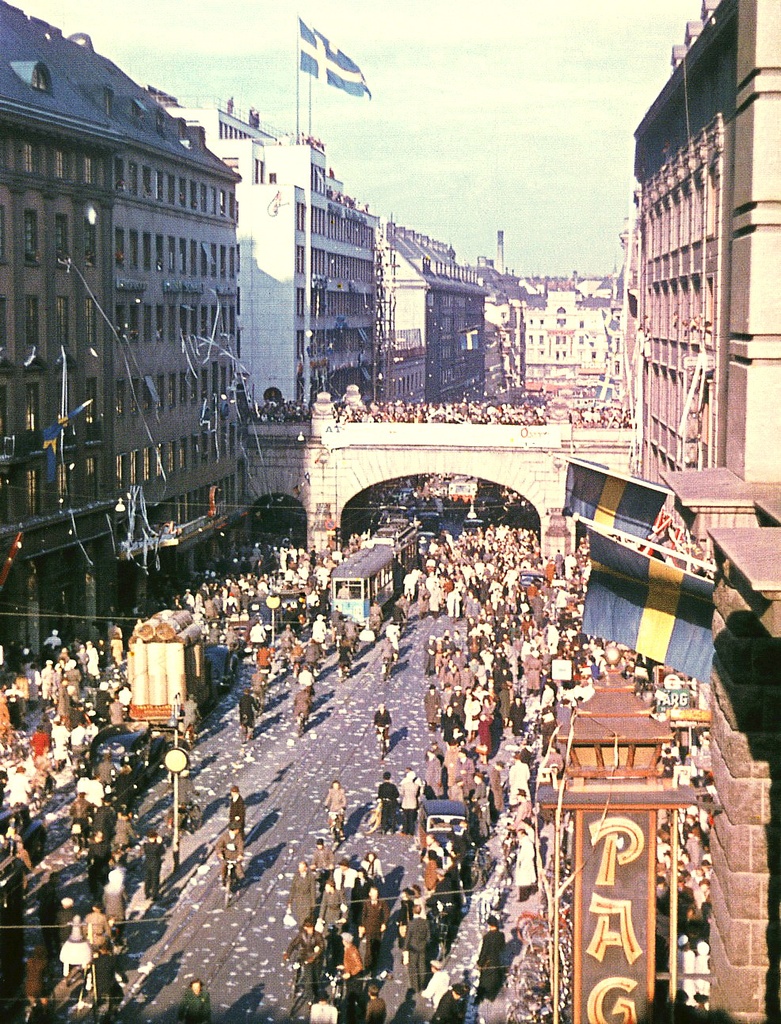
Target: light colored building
x: 307, y: 273
x: 572, y: 335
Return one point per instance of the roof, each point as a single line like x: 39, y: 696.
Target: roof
x: 86, y: 93
x: 363, y: 562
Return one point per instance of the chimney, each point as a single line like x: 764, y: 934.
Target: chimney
x: 500, y: 251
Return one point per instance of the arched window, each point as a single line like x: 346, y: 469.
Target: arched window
x: 40, y: 78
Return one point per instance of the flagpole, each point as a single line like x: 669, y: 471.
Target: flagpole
x: 611, y: 532
x: 298, y: 75
x: 310, y: 106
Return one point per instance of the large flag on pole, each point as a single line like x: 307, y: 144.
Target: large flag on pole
x: 319, y: 59
x: 654, y: 608
x: 613, y: 500
x: 51, y: 438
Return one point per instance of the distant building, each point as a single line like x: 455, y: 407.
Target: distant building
x: 572, y: 335
x: 307, y: 277
x: 117, y: 252
x: 441, y: 300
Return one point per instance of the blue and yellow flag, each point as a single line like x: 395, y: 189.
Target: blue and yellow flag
x: 51, y: 438
x: 654, y: 608
x: 613, y: 500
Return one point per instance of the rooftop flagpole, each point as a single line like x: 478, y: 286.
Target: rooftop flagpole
x: 298, y: 74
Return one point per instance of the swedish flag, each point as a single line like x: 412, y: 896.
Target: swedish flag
x: 654, y: 608
x: 613, y: 500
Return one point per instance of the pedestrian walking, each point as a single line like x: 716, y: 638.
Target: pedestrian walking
x: 153, y: 863
x: 388, y: 795
x: 195, y: 1007
x: 490, y: 961
x: 237, y: 812
x: 303, y: 894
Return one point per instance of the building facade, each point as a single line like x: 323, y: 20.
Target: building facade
x: 117, y: 299
x: 443, y: 302
x: 709, y: 323
x: 307, y: 279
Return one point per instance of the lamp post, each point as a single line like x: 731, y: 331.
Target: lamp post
x: 176, y: 761
x: 273, y: 602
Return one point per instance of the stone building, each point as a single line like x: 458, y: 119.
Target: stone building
x: 709, y: 326
x: 118, y: 294
x: 433, y: 294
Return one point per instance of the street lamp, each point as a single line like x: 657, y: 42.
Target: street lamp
x: 273, y: 601
x: 176, y: 761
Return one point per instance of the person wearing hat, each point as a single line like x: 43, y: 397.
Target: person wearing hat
x: 414, y: 946
x: 438, y: 985
x: 490, y: 961
x: 452, y: 1006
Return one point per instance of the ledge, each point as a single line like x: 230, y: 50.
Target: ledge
x: 756, y: 554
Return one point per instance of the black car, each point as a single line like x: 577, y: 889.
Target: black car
x: 139, y: 747
x: 32, y: 831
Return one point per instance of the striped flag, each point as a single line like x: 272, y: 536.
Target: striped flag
x: 51, y: 438
x: 654, y: 608
x: 613, y: 500
x: 319, y: 59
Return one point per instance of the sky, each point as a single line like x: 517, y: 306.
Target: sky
x: 497, y: 114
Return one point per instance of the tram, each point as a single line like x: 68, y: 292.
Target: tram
x: 376, y: 572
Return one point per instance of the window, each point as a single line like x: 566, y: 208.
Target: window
x: 31, y: 321
x: 31, y: 406
x: 257, y: 178
x: 133, y: 249
x: 33, y: 493
x: 183, y: 192
x: 183, y: 389
x: 193, y: 258
x: 119, y: 246
x: 3, y: 333
x: 301, y: 259
x: 31, y: 236
x: 62, y: 319
x: 203, y: 199
x: 61, y: 235
x: 119, y: 471
x: 160, y: 185
x: 119, y: 173
x: 40, y: 78
x: 223, y: 254
x: 171, y: 396
x: 213, y: 260
x: 147, y: 322
x: 171, y: 254
x: 2, y: 232
x: 62, y: 480
x: 146, y: 181
x: 91, y: 476
x: 193, y: 195
x: 171, y: 189
x: 223, y: 206
x: 59, y: 163
x: 146, y: 250
x: 90, y: 242
x: 300, y: 301
x: 29, y: 158
x: 159, y: 257
x: 132, y: 177
x: 90, y: 322
x: 89, y: 170
x: 159, y: 323
x: 182, y: 255
x: 119, y: 397
x: 173, y: 330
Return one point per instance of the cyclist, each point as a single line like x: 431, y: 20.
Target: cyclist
x: 230, y: 850
x: 336, y: 805
x: 302, y: 705
x: 393, y: 633
x: 306, y: 950
x: 387, y: 655
x: 382, y: 725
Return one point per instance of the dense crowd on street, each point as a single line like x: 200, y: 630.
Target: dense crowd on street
x: 498, y: 613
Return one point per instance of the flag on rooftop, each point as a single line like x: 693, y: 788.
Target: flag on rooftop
x: 319, y: 59
x: 611, y: 499
x: 51, y: 438
x: 654, y: 608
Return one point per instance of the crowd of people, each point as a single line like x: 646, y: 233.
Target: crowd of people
x: 442, y: 412
x: 499, y: 613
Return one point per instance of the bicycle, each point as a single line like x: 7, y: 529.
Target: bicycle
x: 190, y: 817
x: 336, y: 825
x: 231, y: 880
x: 383, y: 740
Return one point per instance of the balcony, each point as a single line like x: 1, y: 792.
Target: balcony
x: 18, y: 447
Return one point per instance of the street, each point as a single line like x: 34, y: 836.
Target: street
x: 284, y: 779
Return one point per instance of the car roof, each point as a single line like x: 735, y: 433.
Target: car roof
x: 444, y: 808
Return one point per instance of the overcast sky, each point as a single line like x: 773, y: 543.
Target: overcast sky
x: 486, y: 114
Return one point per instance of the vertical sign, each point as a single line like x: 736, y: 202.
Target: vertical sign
x: 614, y: 915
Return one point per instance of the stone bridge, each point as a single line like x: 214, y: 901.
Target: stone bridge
x: 323, y: 464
